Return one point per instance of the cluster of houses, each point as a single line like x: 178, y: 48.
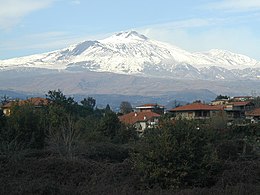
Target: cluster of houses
x: 239, y: 108
x: 148, y: 115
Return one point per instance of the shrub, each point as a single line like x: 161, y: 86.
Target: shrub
x: 175, y: 156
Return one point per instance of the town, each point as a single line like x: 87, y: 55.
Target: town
x: 239, y: 110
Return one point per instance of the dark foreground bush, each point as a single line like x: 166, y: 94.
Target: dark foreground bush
x: 54, y: 175
x: 104, y: 151
x: 43, y: 172
x: 237, y: 172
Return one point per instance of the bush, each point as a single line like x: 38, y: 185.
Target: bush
x: 175, y: 156
x: 104, y: 151
x: 24, y: 129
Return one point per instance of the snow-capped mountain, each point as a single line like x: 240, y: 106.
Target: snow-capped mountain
x: 135, y: 54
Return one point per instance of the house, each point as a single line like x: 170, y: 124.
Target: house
x: 253, y: 115
x: 37, y: 102
x: 150, y: 108
x: 237, y: 110
x: 141, y: 120
x: 219, y: 102
x: 242, y: 98
x: 197, y: 111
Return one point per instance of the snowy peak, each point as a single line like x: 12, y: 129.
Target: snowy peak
x: 133, y: 53
x: 131, y: 34
x: 127, y: 36
x: 231, y: 56
x: 79, y: 48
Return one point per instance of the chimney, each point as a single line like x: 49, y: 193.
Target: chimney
x: 144, y: 117
x: 135, y: 114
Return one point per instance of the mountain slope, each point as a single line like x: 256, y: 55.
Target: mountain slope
x: 134, y: 54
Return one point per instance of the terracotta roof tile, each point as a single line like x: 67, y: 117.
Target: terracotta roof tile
x: 37, y: 101
x: 255, y: 112
x: 133, y: 117
x: 197, y: 106
x: 240, y: 103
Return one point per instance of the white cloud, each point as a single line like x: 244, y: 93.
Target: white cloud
x: 235, y: 5
x: 12, y: 11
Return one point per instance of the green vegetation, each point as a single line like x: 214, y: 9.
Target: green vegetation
x: 177, y: 156
x: 221, y: 97
x: 71, y: 148
x: 125, y: 107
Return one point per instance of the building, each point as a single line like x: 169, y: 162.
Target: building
x: 196, y: 111
x: 219, y: 102
x: 236, y: 110
x: 242, y: 98
x: 253, y: 115
x: 150, y: 108
x: 37, y: 102
x: 141, y: 120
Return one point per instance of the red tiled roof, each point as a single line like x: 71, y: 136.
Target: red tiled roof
x: 255, y: 112
x: 240, y: 103
x: 8, y: 105
x: 37, y: 101
x: 197, y: 106
x: 133, y: 117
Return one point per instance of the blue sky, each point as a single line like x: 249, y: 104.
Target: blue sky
x: 36, y: 26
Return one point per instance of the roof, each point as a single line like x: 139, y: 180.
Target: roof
x: 243, y: 97
x: 197, y: 106
x: 37, y: 101
x: 240, y: 103
x: 134, y: 117
x: 255, y: 112
x: 149, y: 106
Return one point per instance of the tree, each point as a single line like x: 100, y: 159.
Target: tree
x: 125, y: 107
x: 2, y: 123
x: 109, y: 125
x: 176, y: 104
x: 256, y: 102
x: 24, y: 128
x: 175, y: 156
x: 220, y: 97
x: 219, y: 121
x: 57, y: 97
x: 64, y: 136
x: 107, y: 109
x: 4, y: 99
x: 88, y: 103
